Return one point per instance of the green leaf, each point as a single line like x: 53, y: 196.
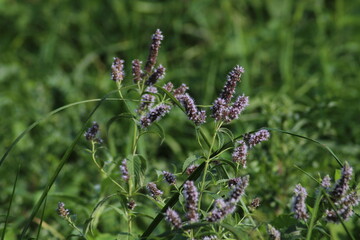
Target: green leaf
x: 190, y: 160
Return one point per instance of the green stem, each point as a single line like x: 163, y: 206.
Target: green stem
x: 93, y: 156
x: 207, y: 161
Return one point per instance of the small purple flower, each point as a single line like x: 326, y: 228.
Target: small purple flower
x: 232, y: 182
x: 255, y: 203
x: 117, y: 68
x: 240, y: 153
x: 181, y: 90
x: 136, y: 70
x: 220, y: 210
x: 91, y: 133
x: 154, y: 114
x: 256, y: 138
x: 173, y: 218
x: 168, y: 86
x: 62, y: 211
x: 131, y: 204
x: 238, y: 190
x: 342, y: 185
x: 147, y: 99
x: 198, y: 117
x: 124, y: 170
x: 191, y: 199
x: 154, y: 50
x: 326, y: 182
x: 154, y: 191
x: 158, y: 74
x: 232, y: 79
x: 344, y: 208
x: 273, y: 233
x: 191, y: 169
x: 299, y: 207
x: 169, y: 177
x: 238, y: 107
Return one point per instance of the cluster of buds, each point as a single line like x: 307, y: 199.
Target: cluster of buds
x: 222, y: 109
x: 299, y: 206
x: 92, y: 132
x: 191, y: 169
x: 191, y: 199
x: 343, y: 198
x: 250, y: 140
x: 154, y: 114
x: 255, y: 203
x: 124, y: 170
x: 117, y: 70
x: 62, y: 211
x: 273, y: 233
x: 131, y: 204
x: 173, y: 218
x: 169, y: 177
x: 147, y: 99
x: 154, y: 191
x: 225, y: 207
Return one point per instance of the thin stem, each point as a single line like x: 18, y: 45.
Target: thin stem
x: 207, y: 161
x: 93, y: 156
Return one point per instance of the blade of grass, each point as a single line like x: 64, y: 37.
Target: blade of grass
x: 309, y: 139
x: 59, y: 168
x: 41, y: 219
x: 313, y: 216
x: 11, y: 200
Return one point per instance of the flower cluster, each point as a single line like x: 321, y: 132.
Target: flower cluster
x: 154, y: 191
x: 159, y: 73
x: 136, y: 70
x: 147, y: 99
x: 124, y: 170
x: 299, y: 207
x: 173, y: 217
x: 326, y: 182
x: 273, y: 233
x: 131, y: 204
x: 191, y: 169
x: 255, y: 203
x: 117, y: 70
x: 191, y: 199
x: 222, y: 109
x: 154, y: 114
x: 224, y: 207
x: 169, y: 177
x: 157, y: 37
x: 343, y: 198
x: 250, y: 140
x: 92, y: 132
x: 62, y: 211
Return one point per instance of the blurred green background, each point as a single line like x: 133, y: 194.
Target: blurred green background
x: 301, y: 60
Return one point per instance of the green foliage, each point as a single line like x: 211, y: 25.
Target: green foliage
x: 301, y: 61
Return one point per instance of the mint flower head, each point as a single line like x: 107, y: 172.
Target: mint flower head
x: 173, y: 218
x: 191, y: 199
x: 117, y: 70
x: 299, y: 206
x: 157, y: 37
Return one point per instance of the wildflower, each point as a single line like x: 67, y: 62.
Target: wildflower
x: 344, y: 208
x: 168, y: 86
x: 62, y: 211
x: 191, y: 198
x: 117, y: 73
x: 173, y: 217
x: 273, y: 233
x: 154, y: 191
x: 136, y: 70
x: 220, y: 210
x: 131, y: 204
x: 240, y: 153
x: 326, y: 182
x: 147, y: 99
x: 342, y: 185
x: 91, y: 133
x: 238, y: 107
x: 158, y: 74
x: 198, y: 117
x: 233, y: 181
x: 181, y: 90
x: 154, y: 50
x: 299, y: 207
x: 256, y: 138
x: 191, y: 169
x: 229, y: 88
x: 238, y: 190
x: 124, y: 170
x: 154, y: 114
x: 255, y: 203
x: 169, y: 177
x: 220, y: 110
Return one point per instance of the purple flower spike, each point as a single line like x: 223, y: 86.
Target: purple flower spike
x: 299, y: 207
x: 191, y: 198
x: 232, y: 79
x: 154, y: 50
x: 154, y: 114
x: 117, y: 68
x: 256, y: 138
x: 173, y: 218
